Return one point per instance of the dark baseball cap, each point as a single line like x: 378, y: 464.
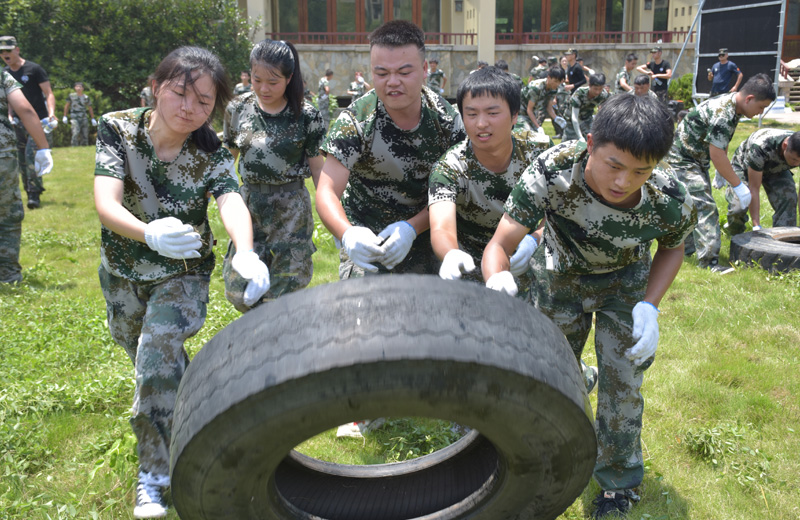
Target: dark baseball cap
x: 7, y: 43
x: 657, y: 48
x: 723, y: 51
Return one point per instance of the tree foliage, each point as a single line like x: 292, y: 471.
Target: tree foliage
x: 113, y: 45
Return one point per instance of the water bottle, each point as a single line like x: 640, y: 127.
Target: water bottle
x: 48, y: 125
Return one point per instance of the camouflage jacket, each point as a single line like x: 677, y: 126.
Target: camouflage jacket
x: 274, y: 148
x: 241, y: 88
x: 762, y: 152
x: 623, y: 74
x: 8, y: 138
x: 359, y: 88
x: 538, y: 93
x: 154, y: 189
x: 436, y: 79
x: 323, y: 82
x: 580, y: 100
x: 78, y: 106
x: 584, y: 235
x: 479, y: 194
x: 712, y: 122
x: 539, y: 72
x: 389, y: 167
x: 147, y: 95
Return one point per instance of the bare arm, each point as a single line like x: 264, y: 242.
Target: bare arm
x: 666, y: 264
x: 666, y: 75
x: 444, y: 236
x: 113, y: 215
x: 503, y: 244
x: 624, y: 84
x: 529, y: 110
x: 47, y: 91
x: 754, y: 179
x: 551, y: 111
x: 642, y: 69
x: 315, y: 165
x: 236, y: 219
x: 332, y: 182
x: 66, y: 108
x: 91, y: 111
x: 719, y: 158
x: 738, y: 81
x: 27, y: 115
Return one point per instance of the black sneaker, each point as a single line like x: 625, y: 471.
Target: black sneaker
x: 611, y: 504
x: 33, y: 200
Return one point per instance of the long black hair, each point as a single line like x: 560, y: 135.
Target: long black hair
x: 282, y: 57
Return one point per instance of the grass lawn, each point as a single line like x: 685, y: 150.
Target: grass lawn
x: 722, y: 407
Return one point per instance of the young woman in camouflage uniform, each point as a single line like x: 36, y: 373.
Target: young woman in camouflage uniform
x: 604, y: 201
x: 277, y: 135
x: 154, y: 169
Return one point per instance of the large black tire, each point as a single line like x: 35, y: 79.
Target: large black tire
x: 775, y: 249
x: 376, y: 347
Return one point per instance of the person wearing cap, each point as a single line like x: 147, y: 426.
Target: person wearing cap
x: 721, y: 73
x: 660, y: 71
x: 540, y: 70
x: 576, y: 76
x: 37, y: 90
x: 76, y: 106
x: 623, y: 83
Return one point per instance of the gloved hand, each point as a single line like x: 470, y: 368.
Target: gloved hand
x: 560, y: 121
x: 454, y: 263
x: 540, y: 130
x: 252, y: 269
x: 43, y: 162
x: 15, y: 120
x: 64, y: 120
x: 172, y: 238
x: 743, y: 195
x: 645, y: 331
x: 503, y: 282
x: 94, y: 122
x: 398, y: 238
x: 520, y: 259
x: 363, y: 247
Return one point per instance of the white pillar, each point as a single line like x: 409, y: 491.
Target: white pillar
x: 487, y: 13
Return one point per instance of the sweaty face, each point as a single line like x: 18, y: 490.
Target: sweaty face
x: 791, y: 158
x: 752, y: 107
x: 488, y: 121
x: 269, y: 86
x: 641, y: 90
x: 184, y: 108
x: 616, y: 176
x: 398, y: 75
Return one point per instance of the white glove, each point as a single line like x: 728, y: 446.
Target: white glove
x: 64, y: 120
x: 398, y: 238
x: 743, y: 194
x: 15, y: 120
x: 454, y: 263
x: 645, y: 331
x: 94, y: 122
x: 172, y: 238
x: 540, y: 130
x: 520, y: 259
x: 43, y: 162
x: 363, y: 247
x: 252, y: 269
x: 560, y: 121
x: 503, y: 282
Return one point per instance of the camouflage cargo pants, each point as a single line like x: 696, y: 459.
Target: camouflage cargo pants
x: 283, y: 230
x: 152, y: 322
x: 571, y: 301
x: 419, y: 260
x: 80, y: 131
x: 31, y: 181
x: 706, y: 239
x: 324, y: 110
x: 11, y: 215
x: 585, y: 125
x: 782, y: 194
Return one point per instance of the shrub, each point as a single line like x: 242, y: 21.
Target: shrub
x: 681, y: 89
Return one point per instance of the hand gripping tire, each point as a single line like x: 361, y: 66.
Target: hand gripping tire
x: 383, y: 346
x: 774, y: 249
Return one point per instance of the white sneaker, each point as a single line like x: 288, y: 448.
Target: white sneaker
x: 357, y: 429
x: 149, y: 501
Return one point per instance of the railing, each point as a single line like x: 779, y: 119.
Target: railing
x: 618, y: 37
x: 343, y: 38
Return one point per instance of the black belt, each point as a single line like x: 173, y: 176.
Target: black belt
x: 277, y: 188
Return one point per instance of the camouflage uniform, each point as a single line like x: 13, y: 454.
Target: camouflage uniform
x: 241, y: 88
x: 436, y: 80
x: 479, y: 194
x: 389, y: 169
x: 562, y: 106
x: 359, y: 88
x: 595, y: 260
x: 79, y: 118
x: 623, y: 74
x: 762, y: 152
x: 273, y: 164
x: 541, y: 97
x: 580, y: 100
x: 539, y: 72
x: 324, y: 102
x: 147, y: 95
x: 11, y: 211
x: 713, y: 122
x: 155, y: 303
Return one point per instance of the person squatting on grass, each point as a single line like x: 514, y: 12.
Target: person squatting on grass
x: 582, y: 104
x: 11, y: 210
x: 603, y: 202
x: 277, y: 135
x: 538, y: 101
x: 702, y: 138
x: 470, y: 183
x: 154, y: 169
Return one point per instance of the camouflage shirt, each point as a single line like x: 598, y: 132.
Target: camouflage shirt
x: 712, y: 122
x: 389, y: 167
x: 478, y: 193
x: 436, y: 79
x: 584, y: 235
x: 241, y: 88
x: 147, y: 95
x: 359, y: 88
x: 580, y: 100
x: 154, y: 189
x: 8, y: 138
x: 323, y: 82
x: 623, y: 74
x: 762, y: 152
x: 538, y: 93
x: 274, y: 148
x: 539, y: 72
x: 78, y: 106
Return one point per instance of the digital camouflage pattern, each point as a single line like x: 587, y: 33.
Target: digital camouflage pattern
x: 622, y: 74
x: 762, y: 152
x: 241, y: 88
x: 79, y: 118
x: 562, y: 102
x: 580, y: 100
x: 155, y: 190
x: 324, y: 102
x: 8, y: 138
x: 436, y: 80
x: 583, y: 235
x: 151, y: 321
x: 539, y: 72
x: 359, y: 88
x: 537, y: 93
x: 712, y: 122
x: 147, y: 95
x: 11, y: 210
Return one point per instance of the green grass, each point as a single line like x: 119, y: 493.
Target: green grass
x: 722, y: 401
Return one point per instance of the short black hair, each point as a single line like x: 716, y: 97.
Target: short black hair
x: 759, y: 86
x: 398, y: 33
x: 557, y: 73
x: 794, y: 143
x: 502, y: 65
x: 77, y: 83
x: 482, y: 64
x: 433, y: 60
x: 597, y: 80
x: 642, y: 79
x: 631, y: 57
x: 490, y: 81
x: 639, y: 125
x: 328, y: 72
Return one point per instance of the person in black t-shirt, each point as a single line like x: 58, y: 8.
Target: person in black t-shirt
x: 660, y: 71
x: 575, y: 75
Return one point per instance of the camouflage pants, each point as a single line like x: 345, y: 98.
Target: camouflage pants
x: 706, y: 239
x: 31, y: 181
x: 523, y: 123
x: 283, y: 228
x: 11, y: 215
x: 152, y: 322
x: 569, y: 131
x: 80, y: 131
x: 324, y: 110
x: 420, y: 260
x: 571, y: 301
x: 782, y: 194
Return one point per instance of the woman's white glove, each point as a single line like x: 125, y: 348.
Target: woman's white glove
x: 363, y: 247
x: 503, y: 282
x: 560, y: 121
x: 64, y: 120
x: 520, y: 260
x: 94, y: 122
x: 252, y: 269
x: 398, y: 238
x: 454, y: 263
x: 645, y: 331
x: 742, y: 192
x: 43, y: 162
x: 172, y: 238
